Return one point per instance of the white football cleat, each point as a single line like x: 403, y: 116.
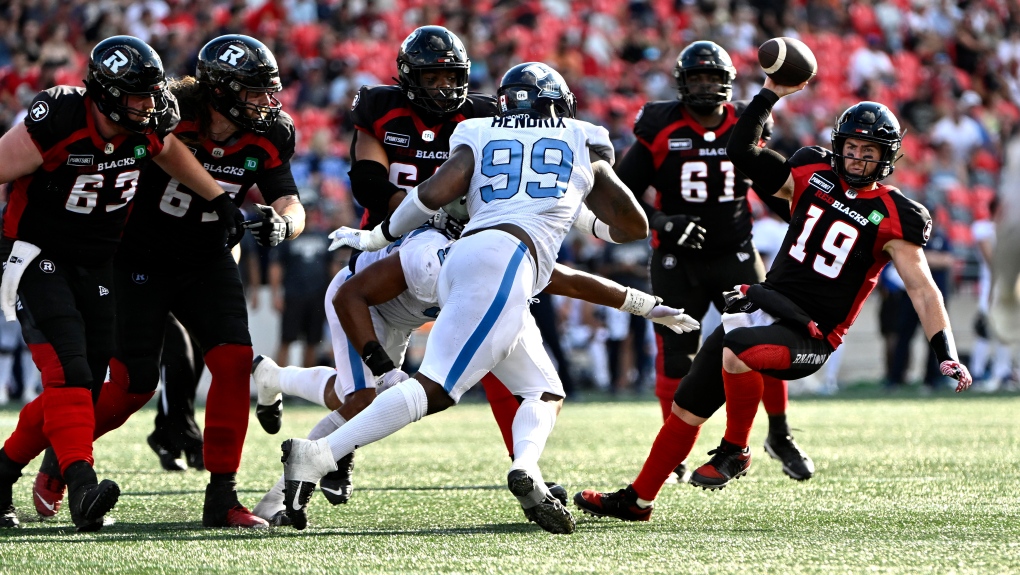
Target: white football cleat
x: 269, y: 408
x: 304, y: 464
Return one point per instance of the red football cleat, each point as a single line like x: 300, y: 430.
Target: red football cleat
x: 48, y: 494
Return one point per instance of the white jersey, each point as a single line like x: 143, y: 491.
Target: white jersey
x: 422, y: 252
x: 533, y: 173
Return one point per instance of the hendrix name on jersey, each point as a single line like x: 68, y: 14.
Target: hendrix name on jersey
x: 693, y: 176
x: 75, y: 205
x: 833, y: 252
x: 415, y: 144
x: 535, y: 179
x: 172, y: 224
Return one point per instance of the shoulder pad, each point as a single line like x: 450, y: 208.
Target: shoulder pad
x: 915, y: 221
x: 810, y: 155
x: 282, y: 135
x: 54, y: 114
x: 653, y: 117
x: 479, y: 106
x: 373, y: 102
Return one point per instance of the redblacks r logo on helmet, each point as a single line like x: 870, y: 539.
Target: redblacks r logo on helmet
x: 233, y: 55
x: 115, y: 61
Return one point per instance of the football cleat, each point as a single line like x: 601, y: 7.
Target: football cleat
x: 279, y: 519
x: 269, y: 407
x: 557, y: 491
x: 336, y: 485
x: 222, y: 509
x: 89, y: 503
x: 169, y: 458
x: 194, y: 457
x: 48, y: 494
x: 728, y: 462
x: 304, y: 464
x: 239, y: 516
x: 538, y: 504
x: 9, y: 519
x: 796, y: 464
x: 621, y: 505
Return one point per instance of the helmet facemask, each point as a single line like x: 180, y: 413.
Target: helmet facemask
x: 438, y: 100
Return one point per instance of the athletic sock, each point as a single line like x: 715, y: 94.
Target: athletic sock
x: 504, y: 408
x: 665, y: 389
x: 743, y: 393
x: 775, y: 397
x: 69, y: 423
x: 28, y: 440
x: 391, y: 411
x: 671, y: 446
x: 226, y: 409
x: 116, y: 403
x: 327, y: 425
x: 531, y: 428
x: 308, y: 383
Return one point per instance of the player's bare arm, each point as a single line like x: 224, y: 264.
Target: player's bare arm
x: 21, y: 157
x: 613, y: 203
x: 931, y: 310
x: 290, y: 207
x: 384, y: 282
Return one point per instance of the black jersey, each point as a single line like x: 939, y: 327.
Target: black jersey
x: 415, y: 146
x: 75, y: 205
x: 833, y: 252
x: 174, y: 225
x: 687, y: 165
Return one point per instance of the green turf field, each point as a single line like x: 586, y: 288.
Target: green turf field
x: 904, y: 485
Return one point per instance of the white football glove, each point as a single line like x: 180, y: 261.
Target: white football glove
x: 389, y: 379
x: 674, y: 319
x: 22, y: 254
x: 365, y: 240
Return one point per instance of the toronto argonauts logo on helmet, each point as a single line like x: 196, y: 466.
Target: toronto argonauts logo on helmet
x: 116, y: 61
x: 545, y: 79
x: 233, y: 54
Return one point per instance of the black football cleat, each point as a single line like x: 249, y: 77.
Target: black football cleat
x: 796, y: 464
x: 169, y: 458
x: 337, y: 485
x: 9, y: 519
x: 89, y: 503
x: 557, y: 491
x: 728, y: 462
x: 269, y: 405
x: 621, y: 505
x: 543, y: 509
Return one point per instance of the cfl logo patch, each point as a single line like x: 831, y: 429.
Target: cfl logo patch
x: 233, y: 55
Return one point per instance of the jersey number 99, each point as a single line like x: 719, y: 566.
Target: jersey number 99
x: 506, y: 158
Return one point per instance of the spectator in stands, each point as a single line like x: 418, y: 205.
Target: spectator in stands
x: 957, y: 128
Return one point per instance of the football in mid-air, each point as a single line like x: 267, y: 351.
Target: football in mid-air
x: 788, y: 61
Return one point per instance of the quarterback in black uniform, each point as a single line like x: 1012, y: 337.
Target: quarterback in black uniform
x: 701, y: 222
x: 75, y: 165
x: 175, y: 257
x: 845, y: 227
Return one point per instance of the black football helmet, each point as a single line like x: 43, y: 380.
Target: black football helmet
x: 430, y: 49
x: 232, y: 64
x: 872, y: 122
x: 535, y: 89
x: 704, y: 56
x: 123, y: 66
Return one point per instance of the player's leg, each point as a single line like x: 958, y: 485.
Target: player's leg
x: 53, y: 311
x: 779, y: 350
x: 699, y: 395
x: 528, y: 373
x: 176, y: 430
x: 210, y: 303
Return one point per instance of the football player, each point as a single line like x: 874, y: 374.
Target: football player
x: 526, y: 174
x: 175, y: 258
x: 402, y: 137
x: 75, y: 165
x: 701, y: 222
x: 845, y: 227
x: 375, y: 304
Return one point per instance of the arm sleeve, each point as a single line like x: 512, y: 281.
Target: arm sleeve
x: 277, y: 182
x: 371, y: 186
x: 635, y: 170
x: 766, y: 168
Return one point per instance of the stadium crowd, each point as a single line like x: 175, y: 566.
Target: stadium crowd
x: 951, y: 71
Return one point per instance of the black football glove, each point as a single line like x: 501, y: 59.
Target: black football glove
x: 681, y: 230
x: 271, y: 228
x: 231, y: 218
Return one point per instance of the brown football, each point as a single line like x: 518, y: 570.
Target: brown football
x: 788, y: 61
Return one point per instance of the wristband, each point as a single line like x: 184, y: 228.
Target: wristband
x: 944, y: 346
x: 376, y: 359
x: 638, y: 302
